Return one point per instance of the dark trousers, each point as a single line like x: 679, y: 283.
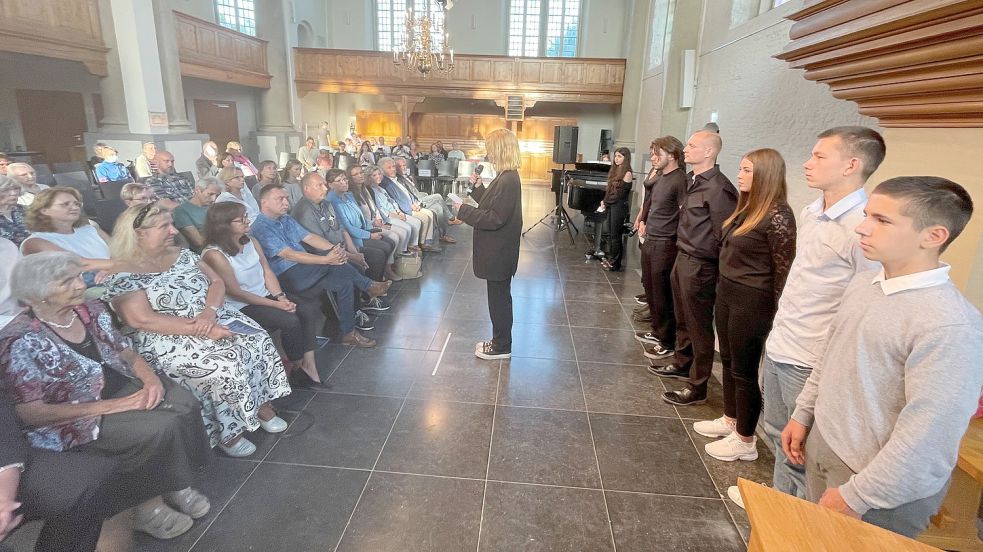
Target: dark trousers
x: 377, y: 256
x: 297, y: 329
x: 694, y: 290
x: 617, y: 215
x: 658, y: 258
x: 338, y: 279
x: 744, y: 315
x: 500, y: 312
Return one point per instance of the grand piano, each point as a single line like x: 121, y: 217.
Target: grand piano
x: 586, y: 185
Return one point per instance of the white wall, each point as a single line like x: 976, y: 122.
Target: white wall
x: 603, y: 28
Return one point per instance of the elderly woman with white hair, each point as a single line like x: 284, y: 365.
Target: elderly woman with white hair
x: 135, y: 193
x: 78, y: 385
x: 13, y: 224
x: 27, y: 177
x: 184, y: 329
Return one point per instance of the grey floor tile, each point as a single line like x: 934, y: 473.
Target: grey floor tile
x: 643, y: 523
x: 420, y: 303
x: 460, y: 377
x: 405, y: 331
x: 347, y: 431
x: 468, y: 306
x: 287, y: 508
x: 544, y: 289
x: 543, y: 446
x: 651, y: 455
x: 595, y: 292
x: 539, y: 311
x: 542, y: 341
x: 464, y: 334
x: 329, y: 357
x: 378, y: 371
x: 532, y: 517
x: 597, y: 315
x: 617, y: 389
x: 607, y: 345
x: 541, y: 383
x: 582, y: 272
x: 408, y: 513
x: 439, y: 438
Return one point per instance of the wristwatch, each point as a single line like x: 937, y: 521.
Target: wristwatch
x: 279, y: 295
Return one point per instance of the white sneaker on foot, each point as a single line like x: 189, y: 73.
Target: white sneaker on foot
x: 732, y: 448
x: 720, y: 427
x: 734, y: 494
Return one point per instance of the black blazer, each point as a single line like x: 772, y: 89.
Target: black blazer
x: 497, y: 222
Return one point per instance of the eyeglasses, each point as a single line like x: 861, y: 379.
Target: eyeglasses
x: 244, y: 219
x: 67, y: 204
x: 340, y: 179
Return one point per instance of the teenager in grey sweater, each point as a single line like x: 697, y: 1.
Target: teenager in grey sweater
x: 900, y: 378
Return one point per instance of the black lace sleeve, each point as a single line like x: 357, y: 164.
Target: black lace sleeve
x: 781, y: 242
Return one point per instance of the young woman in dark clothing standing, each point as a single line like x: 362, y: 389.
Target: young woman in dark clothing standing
x: 616, y: 204
x: 758, y: 246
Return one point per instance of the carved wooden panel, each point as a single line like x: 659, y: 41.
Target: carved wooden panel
x: 60, y: 29
x: 209, y: 51
x: 910, y: 63
x: 476, y: 77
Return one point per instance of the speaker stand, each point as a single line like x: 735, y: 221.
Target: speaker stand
x: 558, y: 213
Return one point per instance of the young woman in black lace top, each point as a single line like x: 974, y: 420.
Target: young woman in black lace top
x: 617, y: 198
x: 758, y: 245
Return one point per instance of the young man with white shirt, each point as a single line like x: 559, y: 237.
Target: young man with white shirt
x: 890, y: 400
x: 827, y: 257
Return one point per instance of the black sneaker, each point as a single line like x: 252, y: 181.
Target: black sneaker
x: 647, y: 338
x: 641, y: 310
x: 641, y: 299
x: 488, y: 351
x: 657, y: 352
x: 684, y: 397
x: 363, y: 322
x: 670, y: 371
x: 376, y: 305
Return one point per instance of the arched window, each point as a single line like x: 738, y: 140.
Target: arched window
x: 238, y: 15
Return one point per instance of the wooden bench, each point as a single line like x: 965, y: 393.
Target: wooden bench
x: 781, y: 522
x: 954, y: 527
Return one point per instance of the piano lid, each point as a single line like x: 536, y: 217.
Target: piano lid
x: 593, y: 167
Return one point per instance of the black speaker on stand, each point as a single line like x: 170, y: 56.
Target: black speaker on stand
x: 564, y: 153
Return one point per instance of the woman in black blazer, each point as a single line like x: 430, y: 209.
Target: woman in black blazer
x: 497, y: 222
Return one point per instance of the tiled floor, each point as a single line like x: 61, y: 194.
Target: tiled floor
x: 564, y: 447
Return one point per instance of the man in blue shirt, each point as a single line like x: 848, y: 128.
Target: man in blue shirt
x: 283, y: 240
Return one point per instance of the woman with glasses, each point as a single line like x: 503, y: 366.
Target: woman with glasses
x: 343, y: 221
x: 12, y: 215
x: 389, y: 214
x: 134, y: 193
x: 253, y: 288
x: 237, y: 192
x: 57, y: 223
x: 184, y: 330
x: 370, y: 212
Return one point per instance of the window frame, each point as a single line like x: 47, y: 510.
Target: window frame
x: 237, y: 15
x: 398, y: 21
x: 542, y: 37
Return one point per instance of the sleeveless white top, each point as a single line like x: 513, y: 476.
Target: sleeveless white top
x: 249, y: 272
x: 85, y: 242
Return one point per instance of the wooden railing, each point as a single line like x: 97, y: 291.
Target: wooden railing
x: 580, y: 80
x: 60, y: 29
x: 210, y: 51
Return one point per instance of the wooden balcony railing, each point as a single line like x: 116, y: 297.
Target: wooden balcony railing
x: 580, y: 80
x: 60, y: 29
x: 210, y: 51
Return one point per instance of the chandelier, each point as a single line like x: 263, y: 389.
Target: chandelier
x: 418, y: 52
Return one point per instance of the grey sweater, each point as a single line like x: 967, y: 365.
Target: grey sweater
x: 895, y: 390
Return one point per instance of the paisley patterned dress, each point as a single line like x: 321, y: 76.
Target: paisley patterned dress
x: 231, y: 377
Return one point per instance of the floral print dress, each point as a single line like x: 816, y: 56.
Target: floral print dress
x: 231, y: 377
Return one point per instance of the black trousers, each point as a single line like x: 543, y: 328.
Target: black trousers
x: 744, y: 315
x: 297, y: 329
x: 617, y: 215
x: 500, y: 311
x: 694, y: 290
x: 658, y: 258
x: 377, y: 256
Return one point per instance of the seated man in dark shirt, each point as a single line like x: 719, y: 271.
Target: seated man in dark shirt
x: 189, y: 217
x: 283, y: 240
x: 171, y: 188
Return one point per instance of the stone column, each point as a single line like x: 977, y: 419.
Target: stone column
x: 276, y: 130
x: 170, y: 66
x: 624, y: 135
x: 111, y: 86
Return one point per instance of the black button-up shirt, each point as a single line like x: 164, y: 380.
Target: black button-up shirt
x: 666, y: 195
x: 710, y: 199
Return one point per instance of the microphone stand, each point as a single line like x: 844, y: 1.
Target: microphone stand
x: 560, y: 215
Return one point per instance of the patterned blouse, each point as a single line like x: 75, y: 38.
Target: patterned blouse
x: 38, y: 365
x: 14, y: 228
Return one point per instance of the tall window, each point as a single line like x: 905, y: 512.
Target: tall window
x: 238, y: 15
x: 391, y: 23
x: 544, y: 27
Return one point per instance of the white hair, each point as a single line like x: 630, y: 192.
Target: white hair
x: 205, y: 182
x: 34, y: 275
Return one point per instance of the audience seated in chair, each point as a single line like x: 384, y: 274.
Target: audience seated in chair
x: 390, y: 214
x: 268, y: 174
x: 109, y: 169
x: 135, y: 193
x: 409, y: 204
x: 371, y: 218
x: 176, y: 306
x: 26, y: 176
x: 79, y: 386
x: 4, y: 163
x: 12, y: 214
x: 241, y: 160
x: 171, y: 188
x: 237, y: 191
x: 189, y: 217
x: 253, y: 288
x: 434, y: 202
x: 145, y: 164
x: 307, y: 154
x: 207, y: 164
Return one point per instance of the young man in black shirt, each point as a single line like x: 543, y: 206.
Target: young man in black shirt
x: 710, y: 198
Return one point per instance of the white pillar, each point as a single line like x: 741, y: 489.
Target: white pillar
x: 170, y: 65
x: 139, y: 65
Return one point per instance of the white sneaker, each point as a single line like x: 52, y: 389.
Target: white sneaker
x: 720, y: 427
x: 735, y: 496
x: 732, y: 448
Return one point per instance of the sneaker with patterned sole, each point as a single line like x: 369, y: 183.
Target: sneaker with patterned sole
x: 647, y: 338
x: 720, y: 427
x: 487, y: 350
x: 732, y: 448
x: 657, y: 352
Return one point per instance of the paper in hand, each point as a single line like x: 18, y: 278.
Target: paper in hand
x: 455, y: 198
x: 240, y: 327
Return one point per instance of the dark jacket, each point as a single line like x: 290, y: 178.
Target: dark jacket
x: 497, y: 222
x: 710, y: 199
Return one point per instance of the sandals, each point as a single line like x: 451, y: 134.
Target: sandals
x: 189, y: 502
x: 161, y: 521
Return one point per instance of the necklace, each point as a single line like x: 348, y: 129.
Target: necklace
x: 59, y: 326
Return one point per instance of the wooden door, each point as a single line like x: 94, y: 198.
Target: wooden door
x: 53, y: 122
x: 219, y: 120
